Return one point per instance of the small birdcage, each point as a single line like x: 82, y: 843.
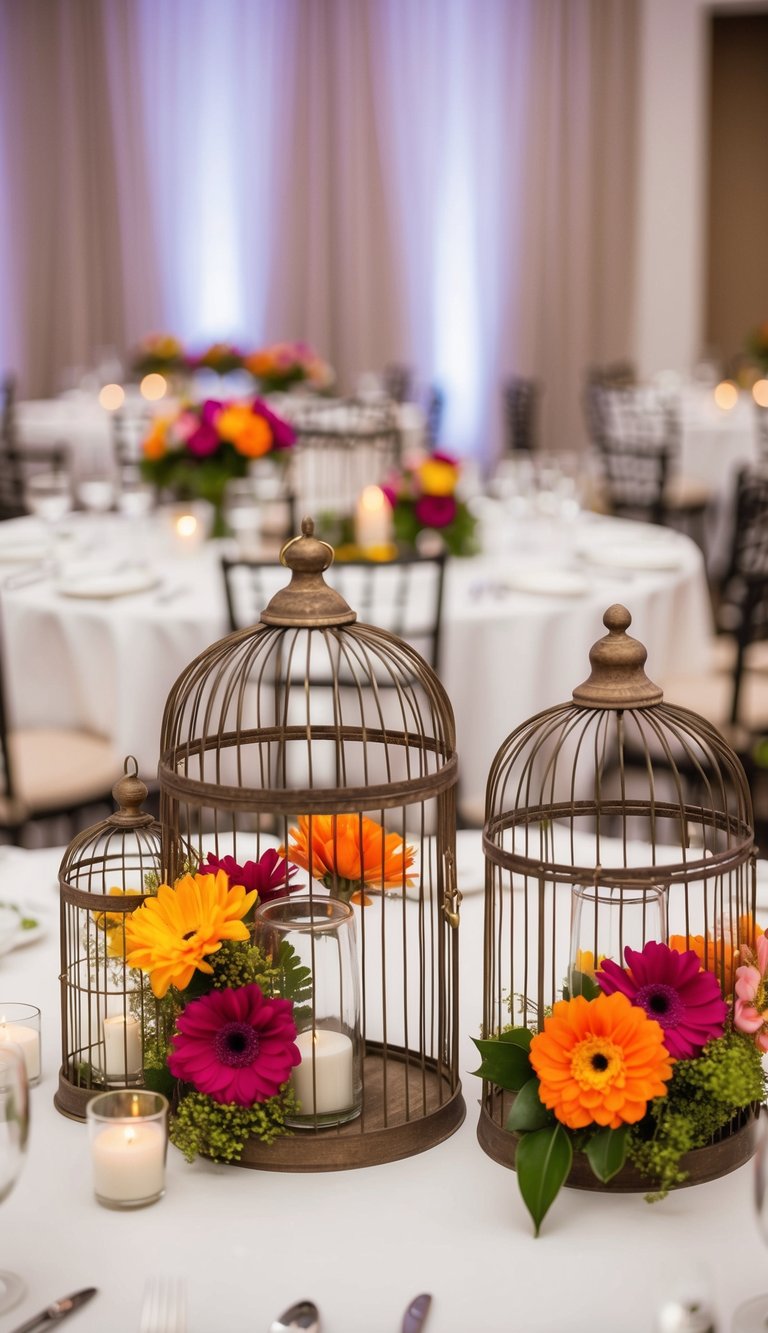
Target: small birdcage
x: 611, y: 820
x: 333, y: 742
x: 106, y: 872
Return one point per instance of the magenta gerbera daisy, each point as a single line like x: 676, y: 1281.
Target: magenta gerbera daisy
x: 671, y: 987
x: 235, y: 1045
x: 270, y: 876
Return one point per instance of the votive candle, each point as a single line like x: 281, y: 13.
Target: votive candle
x: 329, y: 1055
x: 128, y: 1147
x: 20, y: 1025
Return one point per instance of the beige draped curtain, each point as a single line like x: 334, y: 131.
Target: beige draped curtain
x: 446, y: 182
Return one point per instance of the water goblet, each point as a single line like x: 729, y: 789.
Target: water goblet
x: 752, y: 1316
x: 48, y: 495
x: 96, y: 493
x: 14, y: 1131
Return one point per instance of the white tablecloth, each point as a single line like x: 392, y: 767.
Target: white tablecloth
x: 360, y: 1243
x: 109, y: 665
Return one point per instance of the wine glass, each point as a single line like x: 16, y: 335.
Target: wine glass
x: 48, y: 495
x: 14, y: 1130
x: 752, y: 1316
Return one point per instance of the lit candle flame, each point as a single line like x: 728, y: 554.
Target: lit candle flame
x: 186, y: 525
x: 726, y: 395
x: 153, y: 387
x: 112, y: 397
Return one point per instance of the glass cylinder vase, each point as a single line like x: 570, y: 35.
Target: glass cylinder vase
x: 314, y: 944
x: 606, y: 920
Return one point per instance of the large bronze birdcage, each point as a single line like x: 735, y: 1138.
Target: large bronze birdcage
x: 616, y: 801
x: 107, y: 870
x: 310, y: 725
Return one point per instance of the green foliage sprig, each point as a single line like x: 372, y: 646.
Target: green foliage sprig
x: 220, y: 1130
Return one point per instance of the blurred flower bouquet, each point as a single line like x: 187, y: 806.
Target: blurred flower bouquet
x: 757, y: 345
x: 196, y: 452
x: 220, y: 357
x: 219, y: 1014
x: 423, y: 498
x: 645, y: 1063
x: 159, y: 353
x: 283, y: 366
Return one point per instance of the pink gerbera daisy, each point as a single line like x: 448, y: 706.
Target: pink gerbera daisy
x: 235, y: 1045
x: 270, y: 876
x: 671, y: 987
x: 750, y: 1010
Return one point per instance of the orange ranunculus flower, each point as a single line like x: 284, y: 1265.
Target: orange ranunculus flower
x: 600, y: 1062
x: 250, y: 434
x: 155, y: 443
x: 260, y: 363
x: 717, y: 953
x: 437, y: 477
x: 352, y: 848
x: 171, y: 935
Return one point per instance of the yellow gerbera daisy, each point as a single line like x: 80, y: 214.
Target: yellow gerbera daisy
x: 170, y: 936
x: 112, y: 922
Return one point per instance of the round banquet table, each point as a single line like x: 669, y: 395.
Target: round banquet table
x: 518, y: 624
x: 360, y: 1243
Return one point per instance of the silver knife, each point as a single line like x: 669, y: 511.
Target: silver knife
x: 413, y: 1319
x: 58, y: 1310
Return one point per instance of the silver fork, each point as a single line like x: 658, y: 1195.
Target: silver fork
x: 164, y: 1307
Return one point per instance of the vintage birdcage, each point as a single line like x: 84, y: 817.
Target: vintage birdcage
x: 105, y: 873
x: 610, y: 820
x: 335, y: 740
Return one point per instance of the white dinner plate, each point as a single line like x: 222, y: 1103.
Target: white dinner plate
x: 548, y: 582
x: 109, y: 583
x: 18, y: 550
x: 19, y: 926
x: 635, y: 555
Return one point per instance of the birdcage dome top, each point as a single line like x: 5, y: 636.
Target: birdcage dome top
x: 616, y: 785
x: 128, y: 836
x: 308, y: 706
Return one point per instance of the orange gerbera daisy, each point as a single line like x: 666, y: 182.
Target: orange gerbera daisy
x: 717, y: 954
x: 250, y: 433
x: 600, y: 1062
x: 349, y: 851
x: 170, y: 936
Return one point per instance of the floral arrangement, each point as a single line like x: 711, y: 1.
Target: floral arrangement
x: 159, y: 353
x: 349, y: 853
x: 423, y: 498
x: 220, y: 357
x: 644, y: 1062
x: 757, y: 345
x: 219, y: 1039
x: 282, y: 366
x: 205, y: 445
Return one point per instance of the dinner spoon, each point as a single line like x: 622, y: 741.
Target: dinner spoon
x: 304, y: 1315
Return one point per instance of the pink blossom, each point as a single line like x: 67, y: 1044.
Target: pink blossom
x: 235, y: 1045
x: 435, y: 511
x: 203, y: 441
x: 270, y: 876
x: 283, y: 434
x: 686, y: 1002
x: 750, y: 1010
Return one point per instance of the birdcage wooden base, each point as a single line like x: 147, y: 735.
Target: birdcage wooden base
x: 72, y: 1101
x: 716, y: 1159
x: 368, y: 1141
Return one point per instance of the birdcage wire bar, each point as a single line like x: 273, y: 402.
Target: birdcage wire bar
x: 615, y: 790
x: 323, y: 717
x: 102, y: 878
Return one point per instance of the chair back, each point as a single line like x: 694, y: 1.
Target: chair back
x: 128, y: 431
x: 340, y: 448
x: 17, y: 465
x: 435, y: 411
x: 636, y: 434
x: 404, y: 596
x: 397, y: 381
x: 743, y: 604
x: 520, y: 409
x: 762, y: 432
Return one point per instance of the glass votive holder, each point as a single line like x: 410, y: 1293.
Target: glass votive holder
x: 20, y: 1026
x: 128, y: 1133
x: 321, y: 936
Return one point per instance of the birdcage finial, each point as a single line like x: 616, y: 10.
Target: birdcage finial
x: 307, y: 601
x: 129, y: 794
x: 618, y: 678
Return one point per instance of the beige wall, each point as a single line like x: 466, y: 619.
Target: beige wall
x: 737, y: 251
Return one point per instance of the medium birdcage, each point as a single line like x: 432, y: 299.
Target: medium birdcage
x: 613, y: 817
x: 106, y: 872
x: 334, y: 741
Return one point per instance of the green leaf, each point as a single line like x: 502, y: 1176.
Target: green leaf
x: 582, y: 984
x: 528, y: 1113
x: 504, y: 1062
x: 543, y: 1163
x: 159, y: 1080
x: 294, y: 981
x: 606, y: 1151
x: 517, y: 1037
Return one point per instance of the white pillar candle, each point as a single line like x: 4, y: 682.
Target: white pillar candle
x: 332, y: 1087
x: 28, y: 1039
x: 123, y: 1056
x: 373, y: 518
x: 129, y: 1163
